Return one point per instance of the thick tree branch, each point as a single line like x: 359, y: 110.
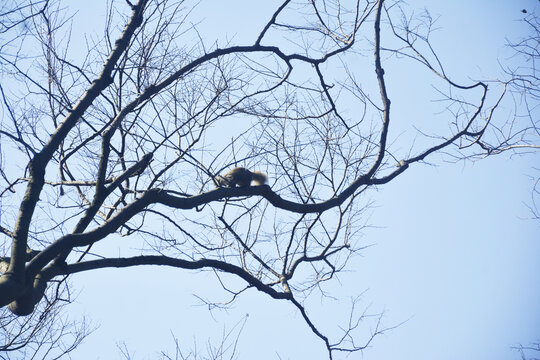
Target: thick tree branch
x: 40, y: 160
x: 168, y: 261
x: 382, y: 88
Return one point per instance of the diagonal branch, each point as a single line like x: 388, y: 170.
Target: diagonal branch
x: 40, y: 160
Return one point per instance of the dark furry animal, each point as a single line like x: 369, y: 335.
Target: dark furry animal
x: 241, y: 177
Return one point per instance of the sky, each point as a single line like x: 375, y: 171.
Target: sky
x: 452, y: 256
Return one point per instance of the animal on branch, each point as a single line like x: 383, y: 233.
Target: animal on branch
x: 241, y: 177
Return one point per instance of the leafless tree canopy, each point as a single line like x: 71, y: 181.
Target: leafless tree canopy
x: 123, y: 136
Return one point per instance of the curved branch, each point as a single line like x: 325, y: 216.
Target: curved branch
x: 464, y: 132
x: 382, y: 88
x: 168, y: 261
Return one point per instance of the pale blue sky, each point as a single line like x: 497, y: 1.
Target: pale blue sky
x: 453, y: 253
